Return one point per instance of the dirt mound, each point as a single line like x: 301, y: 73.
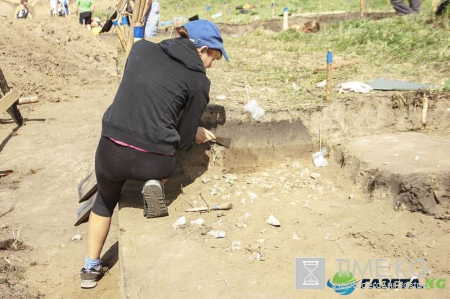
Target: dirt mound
x: 44, y: 56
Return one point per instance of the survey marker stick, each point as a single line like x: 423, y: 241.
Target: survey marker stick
x: 361, y: 9
x: 329, y: 63
x: 272, y: 5
x: 285, y: 18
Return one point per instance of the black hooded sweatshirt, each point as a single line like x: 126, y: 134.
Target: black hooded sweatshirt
x: 160, y: 82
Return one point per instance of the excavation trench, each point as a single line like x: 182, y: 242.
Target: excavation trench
x: 407, y: 170
x: 268, y: 170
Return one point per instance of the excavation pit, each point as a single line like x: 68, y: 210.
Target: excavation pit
x: 268, y: 171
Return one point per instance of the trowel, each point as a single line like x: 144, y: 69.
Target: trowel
x: 224, y: 141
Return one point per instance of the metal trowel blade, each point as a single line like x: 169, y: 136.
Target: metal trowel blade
x: 225, y: 141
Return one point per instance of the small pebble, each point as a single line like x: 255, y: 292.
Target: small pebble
x: 314, y: 175
x: 410, y: 235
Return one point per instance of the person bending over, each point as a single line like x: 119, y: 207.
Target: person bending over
x: 156, y: 111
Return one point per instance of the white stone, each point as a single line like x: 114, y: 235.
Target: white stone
x: 198, y: 221
x: 76, y: 237
x: 273, y: 221
x: 314, y: 175
x: 236, y: 245
x: 217, y: 234
x: 181, y: 222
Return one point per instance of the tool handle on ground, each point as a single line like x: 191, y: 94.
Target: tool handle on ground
x: 224, y: 206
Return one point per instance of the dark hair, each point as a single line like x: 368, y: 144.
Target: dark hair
x: 217, y: 54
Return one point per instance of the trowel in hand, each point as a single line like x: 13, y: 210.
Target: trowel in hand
x: 224, y: 141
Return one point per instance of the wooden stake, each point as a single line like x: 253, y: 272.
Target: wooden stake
x: 224, y: 13
x: 329, y: 64
x: 142, y: 8
x: 285, y: 18
x: 361, y: 9
x: 208, y: 11
x: 134, y: 19
x: 335, y: 65
x: 121, y: 37
x: 424, y: 110
x: 272, y: 4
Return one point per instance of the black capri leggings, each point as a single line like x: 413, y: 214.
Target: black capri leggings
x: 114, y: 164
x: 85, y: 18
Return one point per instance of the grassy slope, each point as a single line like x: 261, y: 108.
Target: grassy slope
x: 277, y: 68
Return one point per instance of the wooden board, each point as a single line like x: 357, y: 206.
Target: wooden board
x: 84, y: 211
x: 8, y: 99
x: 87, y: 187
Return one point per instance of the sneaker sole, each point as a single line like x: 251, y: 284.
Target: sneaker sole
x: 154, y: 202
x: 88, y: 284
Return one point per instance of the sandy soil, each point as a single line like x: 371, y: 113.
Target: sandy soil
x: 75, y: 76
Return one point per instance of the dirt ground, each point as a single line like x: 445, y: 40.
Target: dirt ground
x: 75, y: 75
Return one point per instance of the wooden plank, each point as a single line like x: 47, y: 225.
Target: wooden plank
x: 84, y: 211
x: 9, y: 99
x: 12, y: 110
x: 87, y: 187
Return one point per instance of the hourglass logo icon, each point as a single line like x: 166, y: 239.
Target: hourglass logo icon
x: 310, y: 279
x: 310, y: 273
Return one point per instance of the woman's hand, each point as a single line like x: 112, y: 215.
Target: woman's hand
x: 203, y: 135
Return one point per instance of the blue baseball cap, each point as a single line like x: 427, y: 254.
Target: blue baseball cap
x: 206, y: 33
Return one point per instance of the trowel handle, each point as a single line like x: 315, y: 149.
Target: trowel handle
x: 224, y: 206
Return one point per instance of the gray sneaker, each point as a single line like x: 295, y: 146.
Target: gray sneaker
x: 90, y: 277
x: 154, y: 201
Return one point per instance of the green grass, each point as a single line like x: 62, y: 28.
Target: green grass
x: 278, y: 66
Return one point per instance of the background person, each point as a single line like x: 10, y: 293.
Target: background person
x: 156, y: 111
x: 53, y: 7
x: 402, y: 8
x: 152, y: 19
x: 61, y: 9
x: 84, y: 9
x: 22, y: 11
